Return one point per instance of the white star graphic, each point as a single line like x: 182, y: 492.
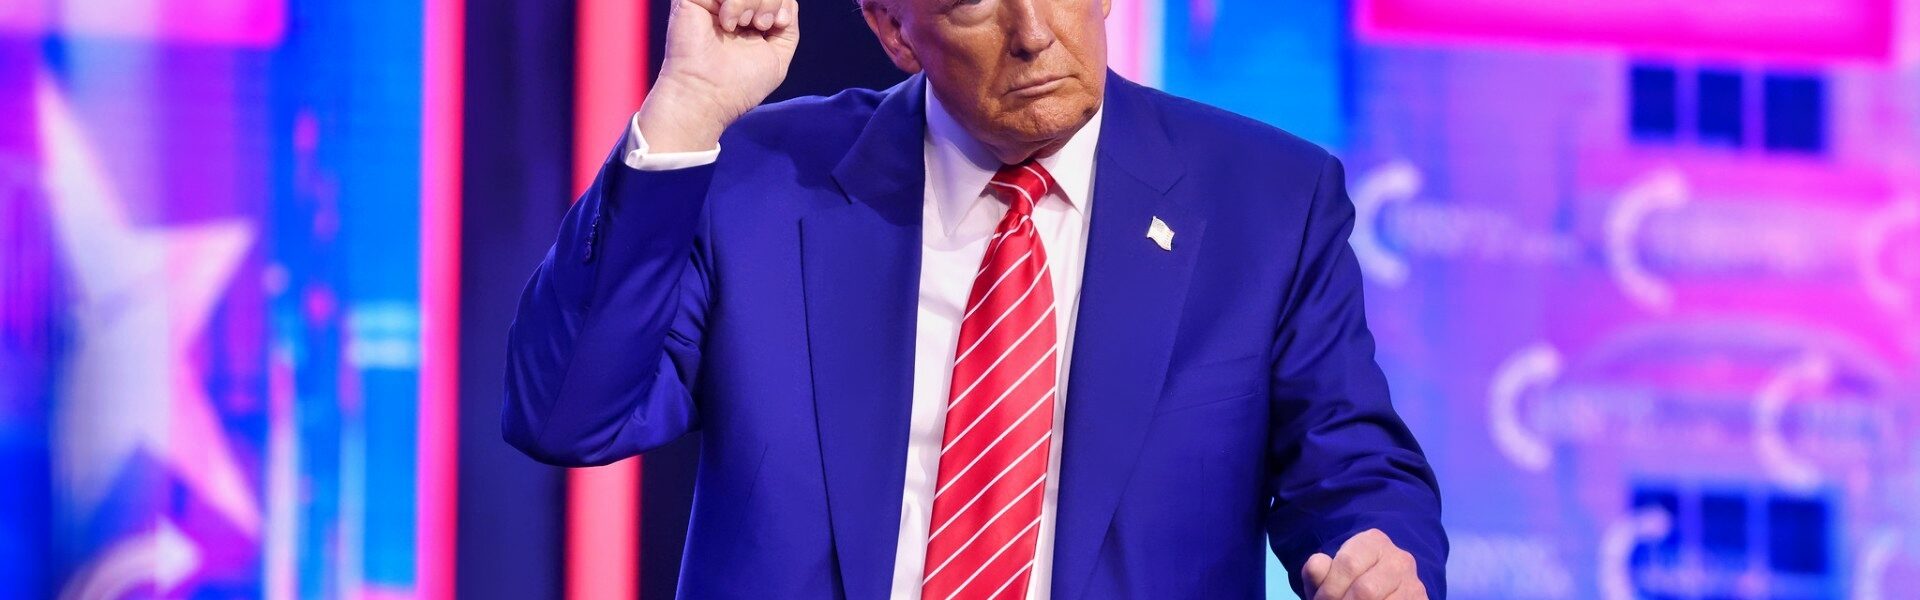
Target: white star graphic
x: 144, y: 296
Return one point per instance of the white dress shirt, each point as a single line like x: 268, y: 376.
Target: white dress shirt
x: 958, y: 220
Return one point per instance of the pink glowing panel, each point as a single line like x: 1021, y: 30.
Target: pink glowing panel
x: 442, y: 72
x: 1811, y: 30
x: 247, y: 23
x: 1125, y: 52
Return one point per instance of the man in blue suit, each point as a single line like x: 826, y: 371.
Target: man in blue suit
x: 1014, y: 328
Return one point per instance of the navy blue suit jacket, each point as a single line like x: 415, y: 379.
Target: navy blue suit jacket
x: 1223, y: 395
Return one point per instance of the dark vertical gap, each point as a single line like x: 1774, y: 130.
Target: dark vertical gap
x: 836, y: 52
x: 515, y: 178
x: 666, y: 499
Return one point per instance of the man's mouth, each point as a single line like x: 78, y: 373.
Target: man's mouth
x: 1037, y: 87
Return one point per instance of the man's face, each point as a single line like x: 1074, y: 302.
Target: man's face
x: 1015, y: 73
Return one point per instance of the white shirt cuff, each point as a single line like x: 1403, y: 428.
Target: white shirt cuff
x: 638, y: 158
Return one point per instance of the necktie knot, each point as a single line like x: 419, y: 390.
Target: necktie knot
x: 1022, y: 185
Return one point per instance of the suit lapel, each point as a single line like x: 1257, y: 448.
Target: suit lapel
x: 861, y: 271
x: 1130, y: 304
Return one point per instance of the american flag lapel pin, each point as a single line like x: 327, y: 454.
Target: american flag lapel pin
x: 1161, y: 234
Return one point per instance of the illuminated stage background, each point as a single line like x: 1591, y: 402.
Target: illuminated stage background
x: 1645, y: 277
x: 213, y: 298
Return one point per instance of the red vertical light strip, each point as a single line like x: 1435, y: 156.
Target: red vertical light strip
x: 436, y: 480
x: 603, y: 504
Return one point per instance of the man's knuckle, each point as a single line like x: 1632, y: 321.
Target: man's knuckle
x: 1346, y: 564
x: 1336, y: 584
x: 1373, y: 588
x: 1362, y: 559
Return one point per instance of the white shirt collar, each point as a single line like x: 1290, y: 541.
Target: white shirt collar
x: 959, y: 167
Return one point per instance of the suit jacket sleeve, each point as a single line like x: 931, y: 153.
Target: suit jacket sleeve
x: 605, y: 346
x: 1340, y: 460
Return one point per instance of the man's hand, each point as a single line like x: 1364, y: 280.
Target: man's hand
x: 723, y: 57
x: 1367, y: 567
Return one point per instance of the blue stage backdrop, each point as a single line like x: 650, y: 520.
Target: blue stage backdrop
x: 211, y: 288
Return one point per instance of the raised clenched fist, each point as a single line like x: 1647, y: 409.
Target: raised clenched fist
x: 723, y: 57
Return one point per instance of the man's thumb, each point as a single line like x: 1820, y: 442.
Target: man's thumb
x: 1317, y: 568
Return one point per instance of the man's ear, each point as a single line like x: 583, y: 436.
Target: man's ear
x: 1106, y: 8
x: 886, y: 27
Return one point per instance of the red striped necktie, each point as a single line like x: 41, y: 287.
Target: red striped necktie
x: 993, y: 454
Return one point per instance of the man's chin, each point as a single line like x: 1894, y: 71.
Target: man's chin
x: 1053, y: 119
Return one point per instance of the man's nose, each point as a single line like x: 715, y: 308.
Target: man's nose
x: 1032, y: 28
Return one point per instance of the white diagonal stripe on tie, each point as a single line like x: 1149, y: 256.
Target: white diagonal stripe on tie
x: 976, y: 534
x: 996, y: 282
x: 1003, y: 550
x: 1016, y: 577
x: 995, y: 443
x: 1023, y: 191
x: 1003, y: 315
x: 943, y: 446
x: 1044, y: 317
